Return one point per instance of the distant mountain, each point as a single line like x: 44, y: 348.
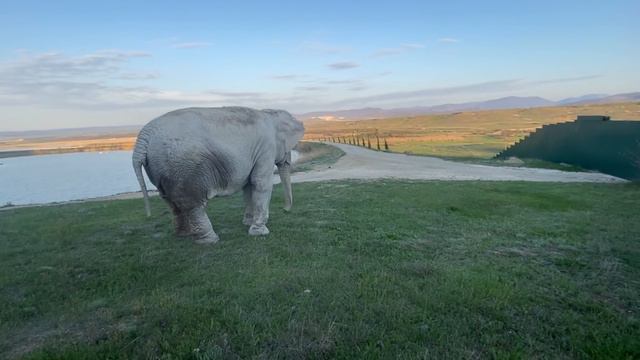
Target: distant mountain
x: 583, y: 98
x: 510, y: 102
x: 627, y: 97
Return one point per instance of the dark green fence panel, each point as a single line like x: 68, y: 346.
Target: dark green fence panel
x: 592, y: 142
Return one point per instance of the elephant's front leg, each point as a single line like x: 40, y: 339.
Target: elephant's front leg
x: 260, y: 197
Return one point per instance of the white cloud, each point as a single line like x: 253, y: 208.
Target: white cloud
x: 191, y: 45
x: 403, y: 48
x: 343, y: 65
x: 56, y: 65
x: 286, y: 77
x: 483, y: 87
x: 58, y: 81
x: 316, y: 47
x: 137, y: 76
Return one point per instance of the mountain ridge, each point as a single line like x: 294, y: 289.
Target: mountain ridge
x: 508, y: 102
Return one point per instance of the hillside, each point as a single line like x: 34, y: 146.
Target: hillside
x: 473, y: 134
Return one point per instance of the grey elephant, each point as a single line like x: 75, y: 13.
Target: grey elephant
x: 194, y: 154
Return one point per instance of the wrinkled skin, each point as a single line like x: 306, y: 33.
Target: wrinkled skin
x: 192, y: 155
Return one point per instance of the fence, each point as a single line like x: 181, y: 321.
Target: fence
x: 591, y: 142
x: 367, y: 141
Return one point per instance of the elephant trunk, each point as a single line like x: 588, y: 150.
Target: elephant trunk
x: 284, y: 170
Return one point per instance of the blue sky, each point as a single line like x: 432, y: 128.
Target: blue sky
x: 86, y: 63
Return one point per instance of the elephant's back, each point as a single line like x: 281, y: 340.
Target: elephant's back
x: 187, y: 155
x: 220, y: 116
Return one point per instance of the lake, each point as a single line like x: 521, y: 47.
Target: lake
x: 63, y: 177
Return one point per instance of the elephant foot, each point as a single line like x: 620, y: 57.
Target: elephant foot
x: 258, y: 230
x: 247, y: 220
x: 209, y: 238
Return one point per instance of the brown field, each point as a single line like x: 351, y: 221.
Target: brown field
x: 16, y: 145
x: 474, y: 134
x: 11, y: 148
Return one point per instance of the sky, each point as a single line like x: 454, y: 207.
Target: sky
x: 85, y: 63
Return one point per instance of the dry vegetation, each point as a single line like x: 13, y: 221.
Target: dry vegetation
x: 479, y: 134
x: 473, y: 134
x: 21, y: 147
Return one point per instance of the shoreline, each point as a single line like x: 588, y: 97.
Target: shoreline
x: 363, y: 164
x: 120, y: 196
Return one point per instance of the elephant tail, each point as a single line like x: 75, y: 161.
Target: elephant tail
x: 140, y: 158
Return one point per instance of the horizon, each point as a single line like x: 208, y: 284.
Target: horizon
x: 328, y: 112
x: 74, y: 65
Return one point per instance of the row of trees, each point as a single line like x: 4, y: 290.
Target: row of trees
x: 358, y: 140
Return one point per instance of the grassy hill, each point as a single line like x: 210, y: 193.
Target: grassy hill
x: 479, y: 134
x: 383, y: 269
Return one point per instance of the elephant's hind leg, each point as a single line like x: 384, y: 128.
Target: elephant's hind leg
x: 248, y: 210
x: 181, y: 220
x: 199, y: 226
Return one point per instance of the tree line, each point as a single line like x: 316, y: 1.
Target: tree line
x: 359, y: 140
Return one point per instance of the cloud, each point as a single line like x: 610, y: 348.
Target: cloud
x: 311, y: 88
x: 93, y: 81
x: 448, y: 40
x: 286, y: 77
x: 412, y: 46
x: 57, y: 81
x: 315, y: 47
x: 564, y: 80
x: 343, y: 82
x: 343, y: 65
x: 236, y: 94
x: 191, y: 45
x: 403, y: 48
x: 49, y: 65
x: 483, y: 87
x: 137, y: 76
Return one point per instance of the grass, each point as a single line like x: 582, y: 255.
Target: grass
x: 470, y: 134
x: 529, y: 163
x: 315, y: 156
x: 385, y: 269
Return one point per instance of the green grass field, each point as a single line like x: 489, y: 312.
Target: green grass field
x: 384, y: 269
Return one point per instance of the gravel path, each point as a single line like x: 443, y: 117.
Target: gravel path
x: 361, y: 163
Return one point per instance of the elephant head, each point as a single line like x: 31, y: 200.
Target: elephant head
x: 288, y: 132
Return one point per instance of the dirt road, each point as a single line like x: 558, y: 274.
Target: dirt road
x: 361, y: 163
x: 364, y: 164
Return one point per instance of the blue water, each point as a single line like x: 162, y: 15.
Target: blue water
x: 64, y: 177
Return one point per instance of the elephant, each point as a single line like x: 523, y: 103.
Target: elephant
x: 192, y: 155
